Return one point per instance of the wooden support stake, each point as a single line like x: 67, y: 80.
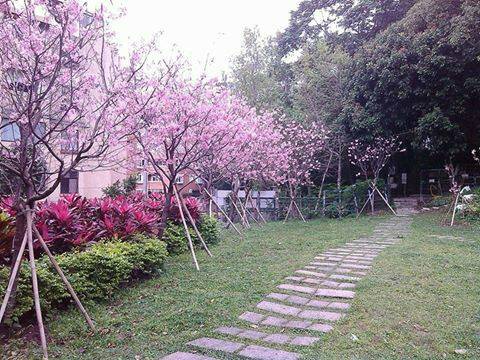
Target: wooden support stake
x: 190, y: 242
x: 36, y: 295
x: 299, y: 211
x: 223, y: 212
x: 257, y: 209
x: 455, y: 208
x: 64, y: 279
x: 366, y: 203
x: 386, y: 202
x: 13, y: 276
x: 288, y: 211
x: 192, y: 221
x: 239, y: 213
x: 248, y: 211
x: 244, y: 212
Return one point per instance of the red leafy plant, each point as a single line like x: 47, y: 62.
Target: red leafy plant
x: 75, y: 222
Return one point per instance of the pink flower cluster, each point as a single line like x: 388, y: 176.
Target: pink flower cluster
x: 371, y: 158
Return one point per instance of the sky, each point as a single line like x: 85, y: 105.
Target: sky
x: 205, y: 31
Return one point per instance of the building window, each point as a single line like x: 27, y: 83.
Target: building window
x: 154, y: 178
x: 69, y: 143
x: 139, y: 178
x: 141, y: 164
x: 9, y: 132
x: 179, y: 180
x: 69, y: 183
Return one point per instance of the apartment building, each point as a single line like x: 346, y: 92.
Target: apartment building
x: 84, y: 180
x: 150, y: 182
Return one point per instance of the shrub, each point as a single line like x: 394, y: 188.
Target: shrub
x: 174, y: 237
x: 94, y: 273
x: 126, y: 187
x: 74, y: 222
x: 208, y: 227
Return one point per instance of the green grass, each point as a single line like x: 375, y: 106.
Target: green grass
x: 160, y: 315
x: 420, y: 300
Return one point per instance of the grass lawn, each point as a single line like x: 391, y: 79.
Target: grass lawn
x: 420, y: 300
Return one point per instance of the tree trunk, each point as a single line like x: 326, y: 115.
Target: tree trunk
x: 20, y: 228
x: 339, y: 171
x: 234, y: 198
x: 320, y: 191
x: 166, y: 210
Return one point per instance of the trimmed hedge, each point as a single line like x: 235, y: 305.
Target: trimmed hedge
x: 94, y: 274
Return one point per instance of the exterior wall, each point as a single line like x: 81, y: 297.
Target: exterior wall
x: 187, y: 186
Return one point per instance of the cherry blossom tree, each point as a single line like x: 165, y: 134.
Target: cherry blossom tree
x: 64, y: 95
x: 179, y: 128
x: 302, y: 145
x: 370, y: 159
x: 259, y: 163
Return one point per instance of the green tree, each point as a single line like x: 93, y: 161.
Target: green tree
x: 319, y: 96
x: 347, y: 23
x: 421, y: 78
x: 258, y: 73
x: 126, y: 187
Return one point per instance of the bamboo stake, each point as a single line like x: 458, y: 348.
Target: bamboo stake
x: 386, y: 202
x: 36, y: 295
x: 455, y: 208
x: 192, y: 222
x: 238, y: 212
x: 13, y: 276
x: 299, y: 211
x: 288, y: 211
x: 244, y: 212
x: 249, y: 212
x: 257, y: 209
x: 190, y: 242
x: 366, y: 203
x: 223, y: 212
x: 64, y: 279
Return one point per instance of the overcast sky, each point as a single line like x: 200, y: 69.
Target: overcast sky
x: 202, y: 29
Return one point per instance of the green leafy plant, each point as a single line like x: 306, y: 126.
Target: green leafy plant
x: 208, y: 227
x: 174, y: 237
x: 94, y: 274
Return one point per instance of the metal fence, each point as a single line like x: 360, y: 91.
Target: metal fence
x: 331, y: 203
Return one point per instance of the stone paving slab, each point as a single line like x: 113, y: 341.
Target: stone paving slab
x: 326, y: 283
x: 263, y: 353
x: 298, y: 312
x: 296, y: 288
x: 335, y: 293
x: 276, y: 338
x: 300, y: 307
x: 186, y: 356
x: 216, y: 344
x: 345, y: 277
x: 278, y: 308
x: 311, y: 273
x: 276, y: 321
x: 299, y: 300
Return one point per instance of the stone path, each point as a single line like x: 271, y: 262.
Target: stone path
x: 306, y: 305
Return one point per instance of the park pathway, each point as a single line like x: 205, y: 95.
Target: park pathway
x: 306, y: 305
